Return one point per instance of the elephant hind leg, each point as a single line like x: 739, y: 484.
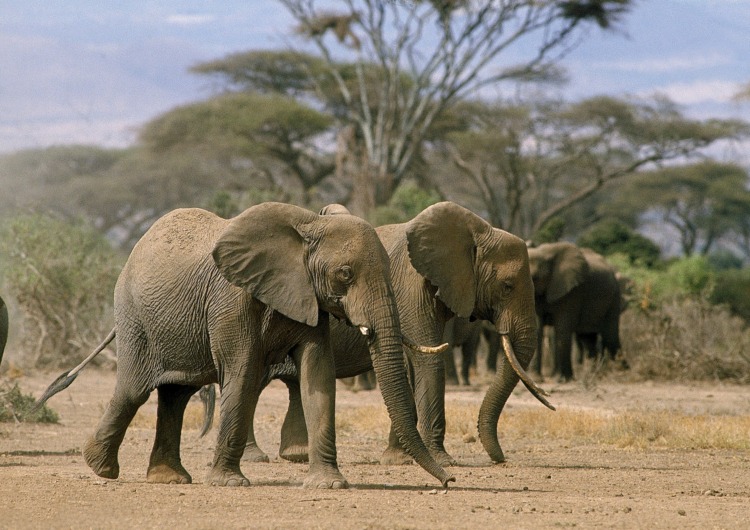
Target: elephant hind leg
x: 100, y: 451
x: 294, y: 442
x: 165, y: 466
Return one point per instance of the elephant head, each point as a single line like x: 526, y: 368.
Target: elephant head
x: 300, y: 263
x: 481, y: 272
x: 556, y: 269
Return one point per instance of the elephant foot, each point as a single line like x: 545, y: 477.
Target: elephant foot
x: 165, y: 474
x: 226, y: 477
x: 395, y: 456
x: 255, y: 454
x: 101, y: 459
x: 442, y: 457
x: 565, y: 378
x: 327, y: 477
x: 294, y: 453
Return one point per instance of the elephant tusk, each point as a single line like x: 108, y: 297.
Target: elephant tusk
x: 365, y: 331
x: 424, y: 349
x: 510, y: 354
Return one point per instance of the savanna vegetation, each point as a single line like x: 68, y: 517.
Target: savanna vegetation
x: 369, y: 112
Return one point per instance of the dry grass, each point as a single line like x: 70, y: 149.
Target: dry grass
x: 634, y: 429
x: 631, y: 429
x: 686, y: 339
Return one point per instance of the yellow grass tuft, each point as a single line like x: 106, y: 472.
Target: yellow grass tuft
x: 629, y: 429
x: 637, y: 429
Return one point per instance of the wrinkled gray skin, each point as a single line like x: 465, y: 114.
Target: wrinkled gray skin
x: 3, y: 327
x: 204, y: 299
x: 465, y: 334
x: 446, y: 261
x: 576, y: 292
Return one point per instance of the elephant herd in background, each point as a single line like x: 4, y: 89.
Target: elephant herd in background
x: 239, y: 302
x: 578, y: 295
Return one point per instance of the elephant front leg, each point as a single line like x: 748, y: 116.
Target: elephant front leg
x: 563, y: 347
x: 318, y: 392
x: 165, y: 466
x: 238, y: 398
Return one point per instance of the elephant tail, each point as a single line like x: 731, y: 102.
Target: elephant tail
x: 536, y: 391
x: 65, y: 379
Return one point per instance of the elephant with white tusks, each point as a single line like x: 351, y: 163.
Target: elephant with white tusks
x: 577, y: 292
x: 446, y: 261
x: 203, y: 299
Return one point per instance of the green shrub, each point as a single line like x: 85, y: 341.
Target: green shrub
x: 550, y: 232
x: 407, y: 201
x: 732, y: 289
x: 62, y: 277
x: 689, y: 276
x: 16, y: 406
x: 613, y: 237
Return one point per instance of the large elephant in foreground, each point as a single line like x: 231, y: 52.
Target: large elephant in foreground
x: 203, y: 299
x: 446, y: 261
x: 577, y: 292
x: 3, y: 327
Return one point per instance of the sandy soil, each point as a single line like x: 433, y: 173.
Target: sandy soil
x: 45, y: 483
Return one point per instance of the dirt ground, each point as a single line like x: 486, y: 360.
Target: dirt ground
x: 44, y: 482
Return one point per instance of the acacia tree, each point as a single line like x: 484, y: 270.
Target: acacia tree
x: 265, y: 132
x: 413, y: 59
x: 703, y: 202
x: 534, y: 161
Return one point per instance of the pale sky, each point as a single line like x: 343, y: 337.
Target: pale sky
x: 84, y: 71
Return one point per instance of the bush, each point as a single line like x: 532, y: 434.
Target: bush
x: 62, y: 277
x: 673, y: 331
x: 732, y: 289
x: 684, y: 339
x: 613, y: 237
x: 16, y: 406
x: 406, y: 203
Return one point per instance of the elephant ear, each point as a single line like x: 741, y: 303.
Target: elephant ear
x: 263, y: 251
x: 569, y: 270
x: 442, y: 246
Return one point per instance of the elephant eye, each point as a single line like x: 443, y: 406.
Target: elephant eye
x: 507, y: 287
x: 345, y: 274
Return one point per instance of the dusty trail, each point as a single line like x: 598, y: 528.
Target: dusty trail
x: 546, y: 484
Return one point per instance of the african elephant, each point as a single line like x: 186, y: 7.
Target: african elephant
x: 467, y: 334
x: 576, y: 292
x: 3, y: 327
x: 446, y: 261
x: 203, y: 299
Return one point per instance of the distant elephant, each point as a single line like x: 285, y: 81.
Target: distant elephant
x: 576, y: 293
x: 203, y: 299
x: 446, y: 261
x: 3, y: 327
x: 467, y: 334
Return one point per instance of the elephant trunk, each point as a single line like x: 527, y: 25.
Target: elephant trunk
x: 518, y: 352
x: 3, y: 327
x: 388, y: 361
